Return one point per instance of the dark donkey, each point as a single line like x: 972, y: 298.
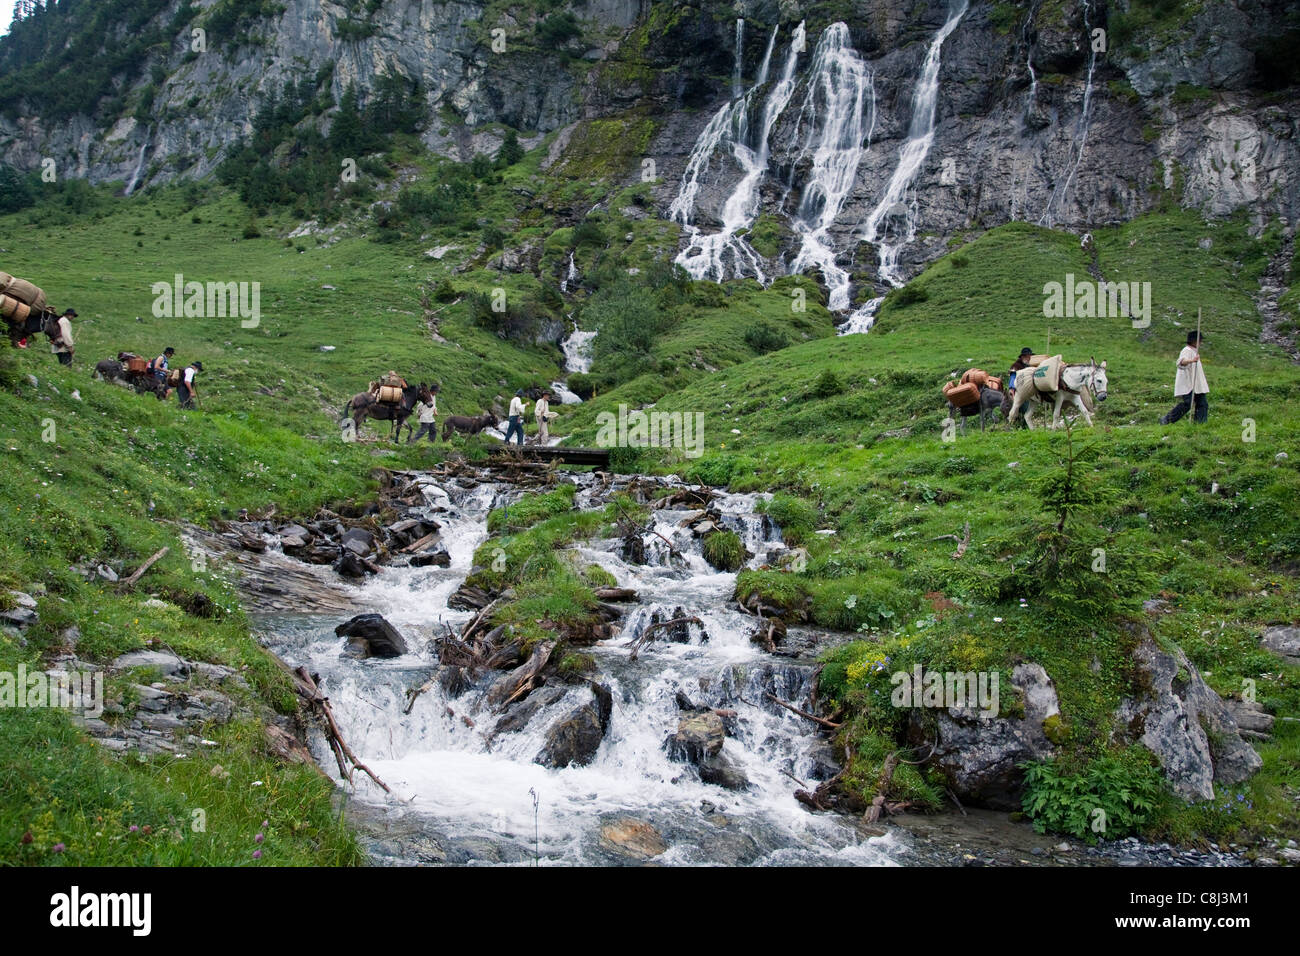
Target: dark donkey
x: 363, y: 405
x: 467, y: 425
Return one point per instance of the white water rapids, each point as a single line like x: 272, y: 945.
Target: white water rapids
x: 472, y: 801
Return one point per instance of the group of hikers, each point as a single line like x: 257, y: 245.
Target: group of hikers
x: 390, y: 397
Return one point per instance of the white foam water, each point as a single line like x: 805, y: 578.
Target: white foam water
x: 474, y: 796
x: 891, y: 225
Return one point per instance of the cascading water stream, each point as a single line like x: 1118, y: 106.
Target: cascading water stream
x: 139, y: 170
x: 706, y: 255
x: 463, y: 784
x: 570, y: 280
x: 1081, y: 129
x: 737, y: 79
x: 577, y: 348
x: 839, y: 113
x: 892, y: 223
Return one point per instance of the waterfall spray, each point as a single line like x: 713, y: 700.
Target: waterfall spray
x: 839, y: 112
x: 892, y: 223
x: 706, y: 256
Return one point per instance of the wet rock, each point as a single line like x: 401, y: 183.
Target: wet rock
x: 573, y: 739
x: 1185, y: 724
x: 720, y: 771
x: 469, y: 598
x: 352, y: 565
x: 633, y: 838
x: 821, y: 759
x: 439, y: 558
x: 359, y: 541
x: 1283, y: 641
x: 518, y: 714
x: 632, y: 549
x: 454, y: 680
x: 698, y: 736
x: 370, y: 635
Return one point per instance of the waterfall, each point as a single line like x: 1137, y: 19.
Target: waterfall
x: 892, y: 224
x: 705, y: 256
x: 570, y: 279
x: 737, y: 84
x: 861, y: 319
x: 577, y: 350
x: 1029, y: 58
x: 840, y: 121
x: 462, y: 780
x: 1081, y: 129
x: 139, y: 170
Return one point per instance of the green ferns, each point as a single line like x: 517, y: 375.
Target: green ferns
x: 1114, y: 796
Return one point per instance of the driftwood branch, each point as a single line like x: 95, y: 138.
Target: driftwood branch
x: 139, y: 572
x: 646, y: 636
x: 828, y: 724
x: 963, y: 541
x: 307, y: 688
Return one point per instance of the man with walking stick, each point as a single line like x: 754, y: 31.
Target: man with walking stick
x: 1189, y: 383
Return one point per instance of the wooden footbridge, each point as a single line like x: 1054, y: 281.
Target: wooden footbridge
x: 548, y: 454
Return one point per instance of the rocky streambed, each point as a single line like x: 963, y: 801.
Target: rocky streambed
x: 680, y: 740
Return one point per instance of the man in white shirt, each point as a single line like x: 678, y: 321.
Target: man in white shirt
x: 64, y: 346
x: 186, y: 393
x: 542, y: 411
x: 426, y: 412
x: 1189, y: 384
x: 517, y: 408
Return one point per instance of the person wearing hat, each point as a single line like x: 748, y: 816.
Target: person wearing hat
x: 517, y: 408
x: 1189, y: 384
x: 542, y: 411
x: 186, y: 393
x: 1023, y: 362
x: 63, y: 346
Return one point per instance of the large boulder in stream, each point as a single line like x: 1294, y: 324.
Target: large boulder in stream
x: 369, y: 635
x: 698, y: 737
x: 721, y: 772
x: 575, y: 737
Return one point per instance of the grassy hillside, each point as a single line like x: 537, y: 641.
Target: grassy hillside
x: 848, y: 432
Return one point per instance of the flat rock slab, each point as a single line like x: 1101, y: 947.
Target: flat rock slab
x: 634, y: 838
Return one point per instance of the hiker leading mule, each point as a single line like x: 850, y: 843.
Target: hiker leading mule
x: 363, y: 405
x: 426, y: 413
x: 1082, y: 384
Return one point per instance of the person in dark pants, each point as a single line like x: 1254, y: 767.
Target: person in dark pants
x: 1190, y: 385
x: 185, y: 392
x: 63, y: 347
x: 427, y: 414
x: 516, y: 426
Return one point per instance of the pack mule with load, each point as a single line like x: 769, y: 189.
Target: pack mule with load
x: 1055, y: 381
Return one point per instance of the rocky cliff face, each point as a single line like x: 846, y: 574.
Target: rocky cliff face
x: 965, y: 113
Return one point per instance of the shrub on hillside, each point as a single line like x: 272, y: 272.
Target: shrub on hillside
x: 765, y: 337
